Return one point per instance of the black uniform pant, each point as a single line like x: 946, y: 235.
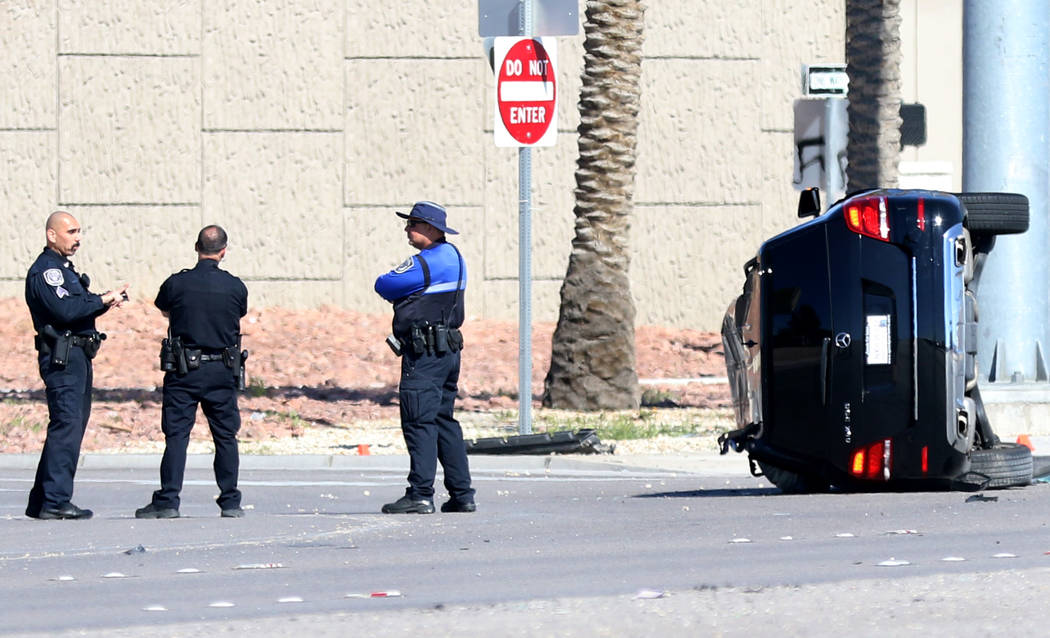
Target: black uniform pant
x: 213, y: 387
x: 428, y: 394
x: 68, y: 390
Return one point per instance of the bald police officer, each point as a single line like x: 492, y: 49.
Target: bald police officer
x: 426, y: 291
x: 204, y: 305
x: 63, y: 311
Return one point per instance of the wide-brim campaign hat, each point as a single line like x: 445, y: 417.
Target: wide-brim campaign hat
x: 430, y: 213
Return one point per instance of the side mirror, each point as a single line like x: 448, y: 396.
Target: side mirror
x: 809, y: 203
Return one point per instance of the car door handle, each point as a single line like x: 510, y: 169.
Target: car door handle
x: 825, y: 348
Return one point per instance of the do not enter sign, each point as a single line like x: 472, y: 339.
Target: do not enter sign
x: 526, y: 99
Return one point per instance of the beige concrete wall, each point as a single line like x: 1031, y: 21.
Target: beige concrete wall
x: 931, y: 74
x: 301, y: 126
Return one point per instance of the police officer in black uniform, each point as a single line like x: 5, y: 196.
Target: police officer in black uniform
x: 63, y: 311
x: 427, y: 293
x: 203, y: 361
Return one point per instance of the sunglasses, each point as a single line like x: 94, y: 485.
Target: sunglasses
x: 413, y: 223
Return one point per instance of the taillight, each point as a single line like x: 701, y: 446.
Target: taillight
x: 921, y: 215
x: 868, y: 216
x: 873, y: 461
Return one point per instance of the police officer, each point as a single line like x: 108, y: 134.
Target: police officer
x: 63, y: 311
x: 427, y: 293
x: 204, y: 306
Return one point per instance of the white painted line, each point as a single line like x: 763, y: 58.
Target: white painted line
x: 537, y: 91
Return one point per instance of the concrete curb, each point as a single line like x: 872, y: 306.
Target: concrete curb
x: 699, y: 464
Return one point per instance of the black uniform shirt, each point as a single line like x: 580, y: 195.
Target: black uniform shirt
x: 205, y: 305
x: 56, y: 295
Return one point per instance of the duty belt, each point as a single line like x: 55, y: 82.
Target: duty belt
x: 211, y: 357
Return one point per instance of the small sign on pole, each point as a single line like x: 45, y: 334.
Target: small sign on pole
x: 820, y: 80
x: 526, y: 103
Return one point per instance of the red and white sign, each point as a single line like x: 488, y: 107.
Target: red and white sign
x: 526, y: 99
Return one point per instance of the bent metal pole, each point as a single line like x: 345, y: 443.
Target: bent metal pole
x: 1006, y: 148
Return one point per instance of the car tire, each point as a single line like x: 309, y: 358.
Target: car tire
x: 1005, y: 465
x: 792, y: 482
x: 995, y: 213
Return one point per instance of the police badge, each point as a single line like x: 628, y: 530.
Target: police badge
x: 405, y: 266
x: 53, y: 277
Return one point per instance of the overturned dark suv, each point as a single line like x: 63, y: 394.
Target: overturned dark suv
x: 851, y: 352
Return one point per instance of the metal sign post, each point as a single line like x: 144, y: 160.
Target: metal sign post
x: 526, y: 106
x: 525, y: 266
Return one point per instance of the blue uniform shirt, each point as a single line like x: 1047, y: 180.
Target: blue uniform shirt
x: 56, y: 295
x: 427, y: 287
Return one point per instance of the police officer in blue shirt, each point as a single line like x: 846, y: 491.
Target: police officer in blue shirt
x: 202, y: 360
x: 426, y: 291
x: 63, y: 311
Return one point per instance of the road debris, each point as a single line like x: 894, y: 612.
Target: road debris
x: 893, y: 562
x: 981, y: 498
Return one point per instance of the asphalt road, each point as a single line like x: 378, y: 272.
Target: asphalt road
x: 571, y: 547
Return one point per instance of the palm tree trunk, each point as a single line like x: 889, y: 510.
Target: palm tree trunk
x: 873, y: 57
x: 593, y: 350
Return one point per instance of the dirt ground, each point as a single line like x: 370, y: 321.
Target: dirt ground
x: 313, y: 369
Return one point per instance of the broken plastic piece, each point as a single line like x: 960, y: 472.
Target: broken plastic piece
x: 138, y: 549
x: 260, y: 566
x: 584, y: 441
x: 649, y: 594
x: 155, y: 608
x: 981, y: 498
x: 114, y: 575
x: 893, y: 562
x: 221, y: 603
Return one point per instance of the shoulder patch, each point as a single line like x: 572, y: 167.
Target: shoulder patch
x: 405, y: 266
x: 53, y: 277
x: 61, y: 292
